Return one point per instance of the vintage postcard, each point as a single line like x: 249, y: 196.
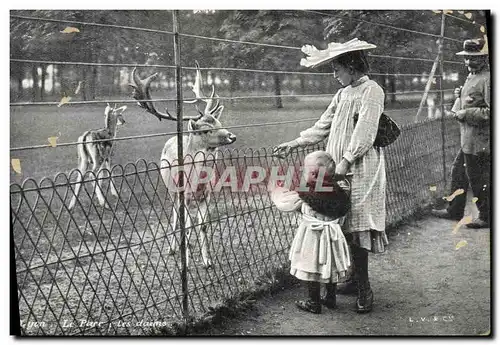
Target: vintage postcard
x: 250, y: 172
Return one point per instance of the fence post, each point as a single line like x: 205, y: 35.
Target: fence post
x: 440, y: 85
x: 180, y: 159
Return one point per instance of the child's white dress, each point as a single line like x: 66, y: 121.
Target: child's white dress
x: 319, y: 250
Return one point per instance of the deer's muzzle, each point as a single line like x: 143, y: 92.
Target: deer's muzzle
x: 231, y: 138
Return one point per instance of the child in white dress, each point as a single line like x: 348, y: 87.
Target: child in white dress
x: 319, y: 252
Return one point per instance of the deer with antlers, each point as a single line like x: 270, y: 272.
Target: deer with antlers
x: 205, y: 135
x: 93, y: 148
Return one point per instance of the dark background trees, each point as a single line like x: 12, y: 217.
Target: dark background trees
x: 45, y: 41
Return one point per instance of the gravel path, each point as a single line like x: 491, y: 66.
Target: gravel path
x: 423, y: 285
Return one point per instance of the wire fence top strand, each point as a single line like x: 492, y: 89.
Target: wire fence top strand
x: 216, y: 68
x: 91, y: 24
x: 101, y: 64
x: 220, y: 97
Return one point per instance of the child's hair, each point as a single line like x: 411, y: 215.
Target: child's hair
x: 355, y: 60
x: 335, y: 203
x: 323, y: 160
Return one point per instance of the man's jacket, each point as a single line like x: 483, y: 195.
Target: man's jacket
x: 473, y: 113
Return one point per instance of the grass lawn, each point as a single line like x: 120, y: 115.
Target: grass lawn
x: 33, y: 125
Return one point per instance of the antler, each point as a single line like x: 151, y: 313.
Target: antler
x: 142, y: 94
x: 209, y: 108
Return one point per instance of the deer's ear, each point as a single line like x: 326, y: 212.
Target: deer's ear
x: 192, y: 126
x: 218, y: 112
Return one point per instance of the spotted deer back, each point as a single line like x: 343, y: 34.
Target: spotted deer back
x: 103, y: 148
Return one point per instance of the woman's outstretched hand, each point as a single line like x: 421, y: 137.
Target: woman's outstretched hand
x: 283, y: 150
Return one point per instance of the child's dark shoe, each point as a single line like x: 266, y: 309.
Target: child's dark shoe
x: 329, y: 302
x: 309, y: 306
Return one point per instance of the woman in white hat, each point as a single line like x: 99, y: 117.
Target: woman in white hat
x: 350, y: 126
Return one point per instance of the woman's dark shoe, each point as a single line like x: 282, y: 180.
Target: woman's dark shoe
x: 309, y: 306
x: 364, y: 302
x: 347, y: 288
x: 445, y: 215
x: 329, y: 302
x: 478, y: 224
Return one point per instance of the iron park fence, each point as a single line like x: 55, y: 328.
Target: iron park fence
x: 106, y: 271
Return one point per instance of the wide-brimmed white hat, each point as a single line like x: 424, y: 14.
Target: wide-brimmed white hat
x: 317, y: 57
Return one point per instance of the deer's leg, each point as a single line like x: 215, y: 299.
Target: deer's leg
x: 205, y: 247
x: 97, y: 168
x: 82, y: 166
x: 187, y: 224
x: 111, y: 183
x: 165, y: 176
x: 100, y: 174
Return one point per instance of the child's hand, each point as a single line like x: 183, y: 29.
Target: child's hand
x: 285, y: 200
x: 341, y: 169
x: 277, y: 193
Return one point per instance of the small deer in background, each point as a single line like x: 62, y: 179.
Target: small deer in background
x: 98, y: 153
x: 205, y: 136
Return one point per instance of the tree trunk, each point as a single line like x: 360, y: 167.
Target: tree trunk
x: 392, y: 80
x: 380, y: 79
x: 83, y: 89
x: 20, y: 85
x: 60, y: 77
x: 438, y: 85
x: 277, y: 91
x: 117, y: 75
x: 231, y: 87
x: 392, y: 88
x: 43, y: 76
x: 93, y: 84
x: 377, y: 79
x: 302, y: 85
x: 34, y: 73
x: 53, y: 91
x: 17, y: 74
x: 116, y: 82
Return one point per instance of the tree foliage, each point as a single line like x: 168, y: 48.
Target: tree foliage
x: 46, y: 40
x: 281, y: 28
x: 413, y: 41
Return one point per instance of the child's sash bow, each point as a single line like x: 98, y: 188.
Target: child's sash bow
x: 331, y: 232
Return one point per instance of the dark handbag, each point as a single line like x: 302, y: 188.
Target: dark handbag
x: 387, y: 133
